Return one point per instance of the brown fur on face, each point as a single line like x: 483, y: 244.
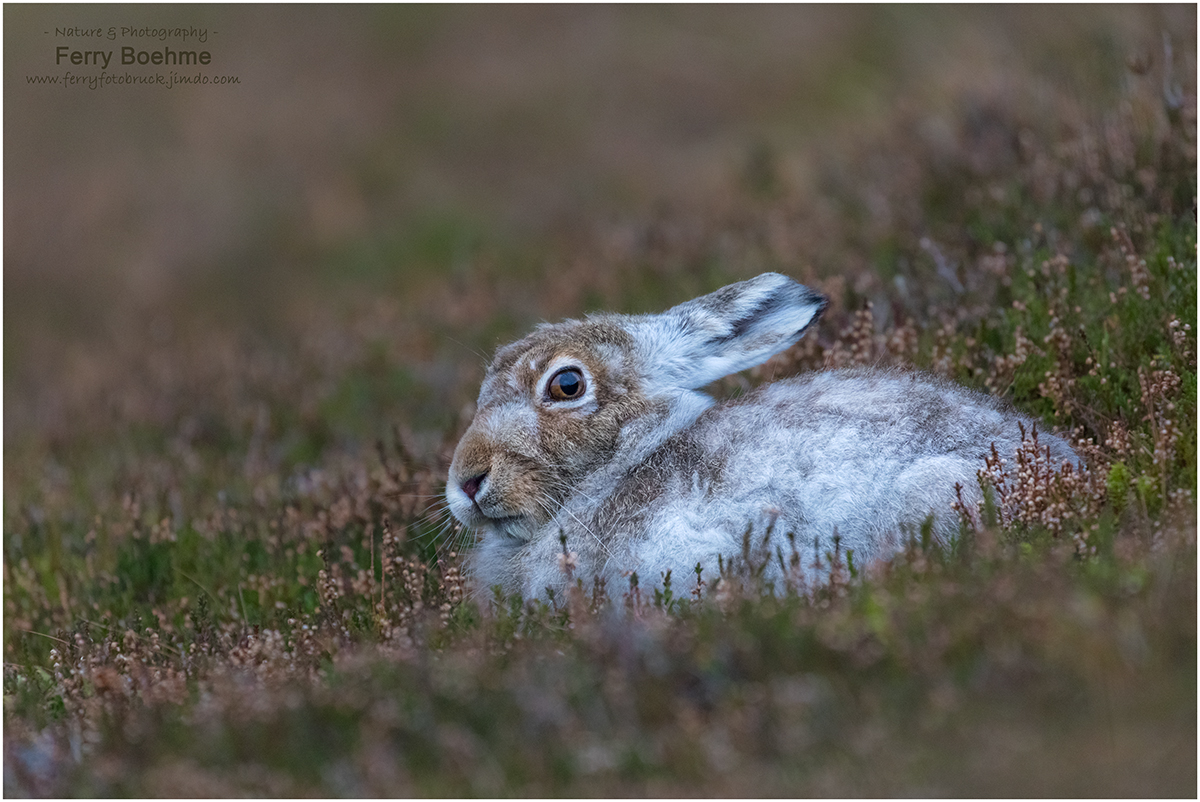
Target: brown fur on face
x: 536, y: 449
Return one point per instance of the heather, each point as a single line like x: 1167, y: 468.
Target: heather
x: 236, y: 367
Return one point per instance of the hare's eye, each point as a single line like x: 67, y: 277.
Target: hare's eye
x: 566, y: 385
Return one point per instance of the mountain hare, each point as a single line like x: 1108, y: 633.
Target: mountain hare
x: 595, y: 430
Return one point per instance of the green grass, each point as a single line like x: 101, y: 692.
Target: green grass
x: 226, y: 571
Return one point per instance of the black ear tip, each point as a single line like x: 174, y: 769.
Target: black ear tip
x: 812, y: 298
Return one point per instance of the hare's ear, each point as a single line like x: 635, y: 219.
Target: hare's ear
x: 732, y: 329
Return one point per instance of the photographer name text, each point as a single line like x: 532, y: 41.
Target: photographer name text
x: 129, y: 56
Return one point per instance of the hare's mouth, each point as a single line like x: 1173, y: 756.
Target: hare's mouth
x: 514, y: 527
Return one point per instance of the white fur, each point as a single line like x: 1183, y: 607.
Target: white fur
x: 866, y: 455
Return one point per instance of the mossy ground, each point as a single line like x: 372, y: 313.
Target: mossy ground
x: 225, y: 571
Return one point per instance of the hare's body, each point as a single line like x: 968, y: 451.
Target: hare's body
x: 642, y: 473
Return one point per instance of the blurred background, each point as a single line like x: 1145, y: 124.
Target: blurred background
x: 414, y: 184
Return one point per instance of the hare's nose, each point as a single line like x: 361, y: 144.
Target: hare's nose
x: 471, y: 486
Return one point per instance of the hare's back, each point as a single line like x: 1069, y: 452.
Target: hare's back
x: 859, y: 449
x: 860, y: 453
x: 867, y: 416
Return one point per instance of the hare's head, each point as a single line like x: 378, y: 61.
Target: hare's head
x: 561, y: 403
